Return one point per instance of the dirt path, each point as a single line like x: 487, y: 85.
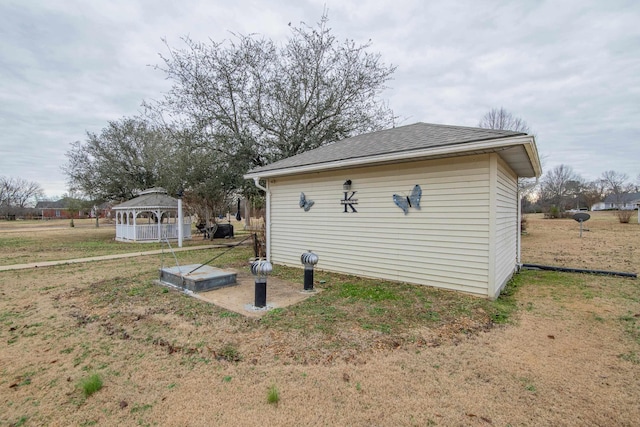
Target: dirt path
x: 103, y: 257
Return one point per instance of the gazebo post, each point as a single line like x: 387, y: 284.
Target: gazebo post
x: 135, y: 228
x: 179, y: 194
x: 180, y: 222
x: 159, y: 216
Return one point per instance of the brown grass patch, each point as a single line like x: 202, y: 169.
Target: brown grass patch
x: 606, y: 244
x: 23, y: 242
x: 571, y: 358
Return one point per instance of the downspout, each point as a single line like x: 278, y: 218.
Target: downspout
x: 519, y: 239
x: 267, y: 219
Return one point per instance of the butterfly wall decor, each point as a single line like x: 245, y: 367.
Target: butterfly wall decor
x: 410, y: 201
x: 304, y: 203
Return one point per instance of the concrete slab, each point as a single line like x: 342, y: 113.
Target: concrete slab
x: 241, y: 297
x: 197, y: 277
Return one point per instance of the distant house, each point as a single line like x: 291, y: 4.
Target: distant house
x: 102, y: 210
x: 425, y: 203
x: 628, y: 201
x: 58, y: 209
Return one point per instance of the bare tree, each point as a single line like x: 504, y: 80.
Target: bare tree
x: 247, y: 101
x: 18, y: 194
x: 558, y: 186
x: 593, y: 192
x: 499, y: 118
x: 616, y: 184
x: 26, y: 192
x: 574, y: 193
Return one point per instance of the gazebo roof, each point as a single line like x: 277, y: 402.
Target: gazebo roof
x: 153, y: 198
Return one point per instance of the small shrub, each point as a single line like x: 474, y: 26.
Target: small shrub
x: 624, y: 216
x: 273, y: 395
x: 229, y: 353
x: 90, y: 385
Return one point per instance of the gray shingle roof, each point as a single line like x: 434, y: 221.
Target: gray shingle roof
x: 622, y: 198
x: 418, y: 136
x: 152, y: 198
x: 50, y: 204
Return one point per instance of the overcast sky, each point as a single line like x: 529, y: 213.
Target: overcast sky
x: 570, y: 69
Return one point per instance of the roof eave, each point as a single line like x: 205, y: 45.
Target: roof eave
x: 534, y: 158
x: 486, y: 146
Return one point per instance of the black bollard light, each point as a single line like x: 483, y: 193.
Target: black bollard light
x: 260, y: 269
x: 309, y: 260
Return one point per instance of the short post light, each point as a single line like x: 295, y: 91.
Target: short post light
x: 309, y: 260
x: 260, y: 269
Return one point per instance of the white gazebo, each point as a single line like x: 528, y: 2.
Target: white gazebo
x: 150, y: 217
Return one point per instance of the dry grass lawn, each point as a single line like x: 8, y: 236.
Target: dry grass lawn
x: 605, y: 244
x: 569, y: 355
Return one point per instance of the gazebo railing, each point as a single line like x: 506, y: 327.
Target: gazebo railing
x: 125, y: 232
x: 149, y: 232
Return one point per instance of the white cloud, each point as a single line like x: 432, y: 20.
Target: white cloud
x: 571, y: 69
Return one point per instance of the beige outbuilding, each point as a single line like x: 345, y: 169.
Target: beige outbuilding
x: 428, y: 204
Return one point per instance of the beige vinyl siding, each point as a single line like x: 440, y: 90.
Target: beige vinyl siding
x: 506, y: 225
x: 443, y: 244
